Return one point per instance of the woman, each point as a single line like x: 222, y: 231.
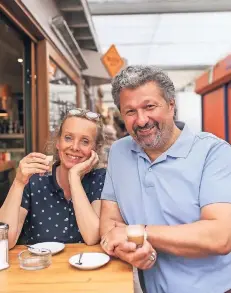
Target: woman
x: 63, y: 207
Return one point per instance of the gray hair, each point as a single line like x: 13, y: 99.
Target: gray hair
x: 136, y: 75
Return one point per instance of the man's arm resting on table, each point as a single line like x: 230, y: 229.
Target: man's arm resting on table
x: 211, y: 235
x: 109, y: 216
x: 112, y: 227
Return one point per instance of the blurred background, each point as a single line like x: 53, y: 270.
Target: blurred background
x: 60, y: 54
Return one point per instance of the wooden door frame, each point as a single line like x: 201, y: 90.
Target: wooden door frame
x: 41, y: 51
x: 33, y: 96
x: 31, y: 77
x: 45, y: 52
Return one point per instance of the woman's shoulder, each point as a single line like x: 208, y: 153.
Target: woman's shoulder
x: 97, y: 173
x: 94, y: 183
x: 37, y: 180
x: 95, y: 177
x: 33, y: 181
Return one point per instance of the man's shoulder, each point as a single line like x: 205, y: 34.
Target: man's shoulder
x: 207, y: 141
x: 124, y: 143
x: 207, y: 137
x: 121, y: 150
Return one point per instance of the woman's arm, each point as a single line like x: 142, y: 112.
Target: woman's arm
x: 11, y: 211
x: 86, y: 216
x: 12, y: 214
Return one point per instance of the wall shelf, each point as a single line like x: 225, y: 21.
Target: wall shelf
x: 12, y: 150
x: 12, y: 136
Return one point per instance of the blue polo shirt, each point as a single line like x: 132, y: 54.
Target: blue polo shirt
x: 194, y: 172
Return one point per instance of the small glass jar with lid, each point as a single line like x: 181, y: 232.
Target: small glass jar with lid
x: 4, y: 249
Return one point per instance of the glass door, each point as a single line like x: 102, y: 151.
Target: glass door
x: 15, y: 92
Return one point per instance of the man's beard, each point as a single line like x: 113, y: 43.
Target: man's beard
x: 156, y: 140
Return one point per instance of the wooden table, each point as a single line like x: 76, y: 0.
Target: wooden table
x: 61, y: 277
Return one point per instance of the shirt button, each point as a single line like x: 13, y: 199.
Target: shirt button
x: 150, y: 169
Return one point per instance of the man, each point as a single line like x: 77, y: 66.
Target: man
x: 174, y: 182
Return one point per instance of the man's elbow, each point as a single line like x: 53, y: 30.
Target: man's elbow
x: 222, y: 246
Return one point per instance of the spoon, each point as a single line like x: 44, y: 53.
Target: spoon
x: 36, y: 249
x: 80, y: 257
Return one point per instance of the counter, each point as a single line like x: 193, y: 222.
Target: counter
x: 5, y: 166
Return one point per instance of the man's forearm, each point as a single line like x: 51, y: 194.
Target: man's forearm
x: 109, y: 216
x: 198, y: 239
x: 106, y: 225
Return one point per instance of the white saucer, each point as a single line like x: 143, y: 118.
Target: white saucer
x: 89, y: 260
x: 54, y: 247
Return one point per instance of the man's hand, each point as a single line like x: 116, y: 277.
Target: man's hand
x: 116, y: 236
x: 142, y: 258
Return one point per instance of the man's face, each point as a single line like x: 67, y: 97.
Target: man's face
x: 147, y: 116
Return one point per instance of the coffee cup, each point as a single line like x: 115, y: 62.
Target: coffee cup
x: 135, y: 233
x: 50, y: 160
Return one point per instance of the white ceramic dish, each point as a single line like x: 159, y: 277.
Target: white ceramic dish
x: 54, y: 247
x: 89, y: 260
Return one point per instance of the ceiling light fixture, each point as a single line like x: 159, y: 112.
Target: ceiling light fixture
x: 3, y: 113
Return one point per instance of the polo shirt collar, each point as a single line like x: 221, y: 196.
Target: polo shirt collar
x: 180, y: 149
x: 183, y: 144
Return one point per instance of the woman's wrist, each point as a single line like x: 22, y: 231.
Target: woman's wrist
x: 73, y: 177
x: 18, y: 183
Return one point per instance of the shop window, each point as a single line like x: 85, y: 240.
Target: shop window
x: 62, y: 94
x: 11, y: 93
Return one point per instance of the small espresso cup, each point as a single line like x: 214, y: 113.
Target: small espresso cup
x: 50, y: 159
x: 135, y: 233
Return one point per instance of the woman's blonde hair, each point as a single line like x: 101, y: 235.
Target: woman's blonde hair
x: 55, y: 136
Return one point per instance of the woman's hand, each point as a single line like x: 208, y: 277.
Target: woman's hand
x: 29, y: 165
x: 79, y: 170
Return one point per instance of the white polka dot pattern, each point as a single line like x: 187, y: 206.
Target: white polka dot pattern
x: 50, y: 216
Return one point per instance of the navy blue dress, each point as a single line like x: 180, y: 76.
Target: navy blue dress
x: 50, y: 216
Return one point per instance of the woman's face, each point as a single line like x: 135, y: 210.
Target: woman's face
x: 77, y: 139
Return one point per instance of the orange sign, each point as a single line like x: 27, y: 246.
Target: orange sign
x: 112, y: 61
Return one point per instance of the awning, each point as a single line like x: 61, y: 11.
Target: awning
x: 96, y: 72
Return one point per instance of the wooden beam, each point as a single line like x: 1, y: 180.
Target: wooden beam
x: 157, y: 7
x: 9, y: 14
x: 66, y: 8
x: 42, y: 95
x: 34, y: 106
x: 79, y: 38
x: 78, y: 25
